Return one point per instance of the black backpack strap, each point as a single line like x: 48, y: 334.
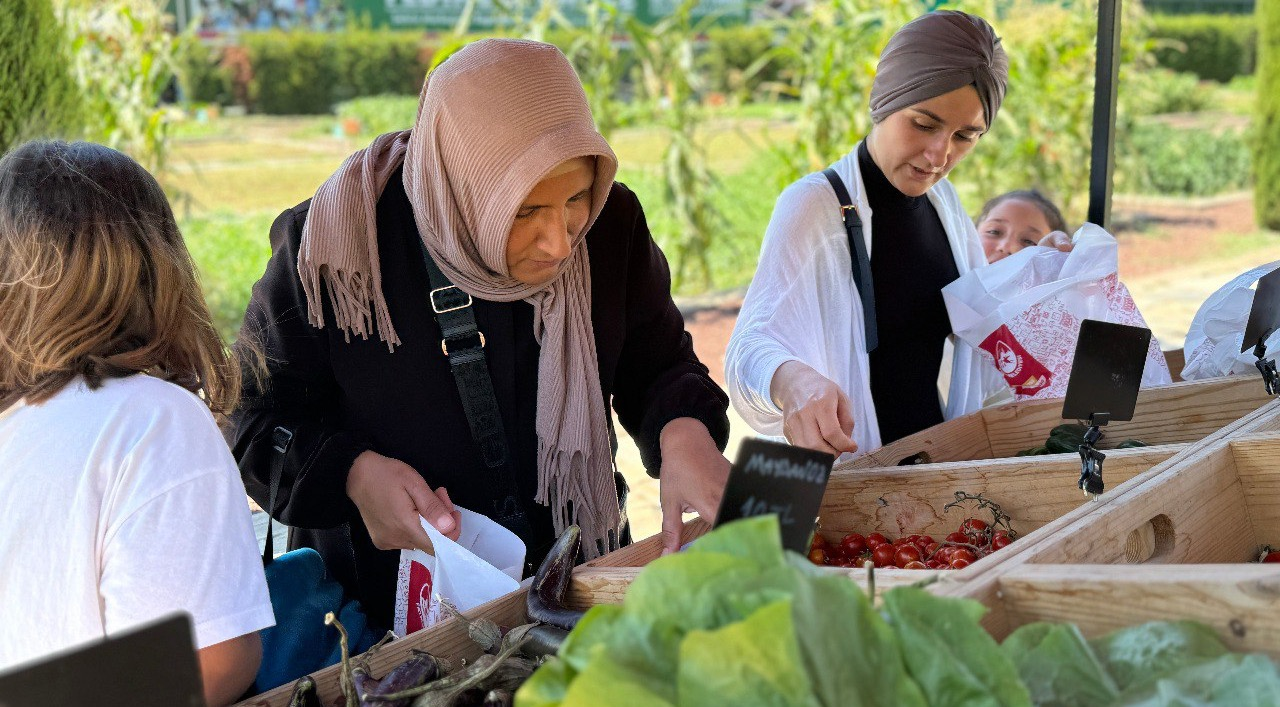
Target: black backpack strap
x: 861, y: 260
x: 281, y: 438
x: 463, y: 343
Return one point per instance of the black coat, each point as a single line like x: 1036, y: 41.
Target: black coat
x: 340, y: 398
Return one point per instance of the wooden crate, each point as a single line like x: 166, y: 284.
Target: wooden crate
x: 1237, y: 600
x: 1218, y: 504
x: 909, y: 500
x: 449, y: 639
x: 1176, y: 413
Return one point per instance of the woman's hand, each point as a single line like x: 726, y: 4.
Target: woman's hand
x: 815, y: 413
x: 692, y: 477
x: 1059, y: 240
x: 391, y: 495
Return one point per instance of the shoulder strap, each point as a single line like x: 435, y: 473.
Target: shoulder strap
x: 281, y: 438
x: 861, y: 261
x: 463, y: 343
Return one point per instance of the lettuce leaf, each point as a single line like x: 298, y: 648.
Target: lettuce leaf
x: 750, y: 663
x: 1058, y: 667
x: 854, y: 661
x: 948, y: 653
x: 1227, y: 681
x: 1137, y: 655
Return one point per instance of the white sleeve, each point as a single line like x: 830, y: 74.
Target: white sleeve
x: 786, y: 315
x: 182, y: 539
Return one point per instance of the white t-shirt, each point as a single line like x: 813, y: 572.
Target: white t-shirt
x: 121, y: 505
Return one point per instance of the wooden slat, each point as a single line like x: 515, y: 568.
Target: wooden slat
x: 1177, y: 413
x: 1181, y: 412
x: 1034, y: 490
x: 1176, y: 360
x: 961, y: 439
x: 642, y: 552
x: 1238, y: 600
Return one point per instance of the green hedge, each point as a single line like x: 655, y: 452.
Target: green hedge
x: 309, y: 72
x: 38, y: 97
x: 1215, y: 47
x: 1181, y: 162
x: 1266, y: 156
x: 202, y: 76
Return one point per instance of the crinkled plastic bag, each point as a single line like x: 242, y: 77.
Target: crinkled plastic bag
x: 1023, y: 313
x: 485, y: 563
x: 1217, y: 331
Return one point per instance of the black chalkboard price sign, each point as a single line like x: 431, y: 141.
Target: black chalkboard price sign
x: 777, y: 478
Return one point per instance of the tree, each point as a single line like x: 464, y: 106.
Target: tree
x: 1266, y: 156
x: 38, y: 96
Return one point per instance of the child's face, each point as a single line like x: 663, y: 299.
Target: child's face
x: 1011, y: 226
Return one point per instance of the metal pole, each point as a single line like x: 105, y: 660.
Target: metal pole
x: 1102, y: 162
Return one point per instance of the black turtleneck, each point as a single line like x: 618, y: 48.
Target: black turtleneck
x: 911, y: 261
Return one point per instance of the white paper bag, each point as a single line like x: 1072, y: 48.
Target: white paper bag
x: 1023, y: 313
x: 1217, y: 331
x: 485, y: 563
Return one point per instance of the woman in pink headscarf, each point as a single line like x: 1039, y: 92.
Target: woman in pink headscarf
x: 500, y: 204
x: 839, y: 344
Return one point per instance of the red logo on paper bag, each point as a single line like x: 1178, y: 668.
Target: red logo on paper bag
x: 419, y: 598
x: 1022, y: 372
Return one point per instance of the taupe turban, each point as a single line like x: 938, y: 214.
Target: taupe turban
x: 936, y: 54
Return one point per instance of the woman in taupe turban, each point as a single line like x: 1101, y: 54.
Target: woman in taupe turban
x: 846, y: 363
x: 505, y: 186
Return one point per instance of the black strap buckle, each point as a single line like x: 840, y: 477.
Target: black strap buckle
x: 444, y: 343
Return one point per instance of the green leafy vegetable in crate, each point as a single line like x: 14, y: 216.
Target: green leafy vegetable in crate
x: 1066, y: 439
x: 735, y: 620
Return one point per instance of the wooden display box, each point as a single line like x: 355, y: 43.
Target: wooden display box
x: 1237, y: 600
x: 1216, y: 505
x: 907, y: 500
x: 449, y: 639
x: 1171, y: 414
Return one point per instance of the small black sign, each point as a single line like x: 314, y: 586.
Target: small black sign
x: 1107, y: 371
x: 777, y: 478
x: 150, y: 666
x: 1264, y: 317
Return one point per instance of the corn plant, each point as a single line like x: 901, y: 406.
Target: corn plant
x: 1043, y: 133
x: 123, y: 58
x: 670, y: 83
x: 833, y: 49
x: 599, y: 63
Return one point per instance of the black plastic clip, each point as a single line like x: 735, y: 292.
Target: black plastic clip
x: 1270, y: 378
x: 1090, y: 458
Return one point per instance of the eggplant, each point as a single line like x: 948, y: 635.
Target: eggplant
x: 543, y: 640
x: 545, y: 600
x: 420, y: 668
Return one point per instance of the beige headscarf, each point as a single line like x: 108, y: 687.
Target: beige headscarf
x: 493, y: 120
x: 936, y: 54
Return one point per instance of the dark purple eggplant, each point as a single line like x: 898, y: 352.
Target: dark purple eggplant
x: 420, y: 668
x: 545, y: 602
x: 543, y: 640
x: 304, y: 693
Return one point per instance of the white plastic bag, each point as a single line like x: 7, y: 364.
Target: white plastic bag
x: 485, y: 563
x: 1023, y: 313
x: 1217, y: 331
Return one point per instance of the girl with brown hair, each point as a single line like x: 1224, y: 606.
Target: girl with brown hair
x: 122, y: 501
